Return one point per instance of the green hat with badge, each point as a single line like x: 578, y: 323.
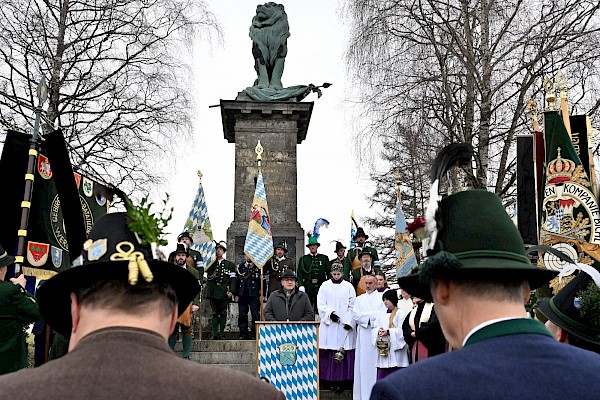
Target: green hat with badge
x: 313, y: 240
x: 283, y: 246
x: 482, y: 245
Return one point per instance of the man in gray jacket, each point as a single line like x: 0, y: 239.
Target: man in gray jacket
x: 288, y: 303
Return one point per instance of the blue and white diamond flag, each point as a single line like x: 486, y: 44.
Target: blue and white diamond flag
x: 288, y: 357
x: 259, y: 239
x: 199, y: 224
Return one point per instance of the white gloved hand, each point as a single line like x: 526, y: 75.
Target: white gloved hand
x: 195, y: 308
x: 301, y: 288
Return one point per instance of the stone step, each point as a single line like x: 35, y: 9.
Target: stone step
x: 232, y: 357
x: 221, y: 346
x: 249, y: 369
x: 329, y: 395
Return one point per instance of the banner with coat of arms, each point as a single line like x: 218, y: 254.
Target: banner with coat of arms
x: 570, y: 217
x: 46, y: 250
x: 288, y: 357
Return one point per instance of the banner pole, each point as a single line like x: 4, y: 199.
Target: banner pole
x: 42, y: 94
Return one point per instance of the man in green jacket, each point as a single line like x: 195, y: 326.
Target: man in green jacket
x: 17, y: 309
x: 313, y: 269
x: 220, y: 284
x: 186, y: 319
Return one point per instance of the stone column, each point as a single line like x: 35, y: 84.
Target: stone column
x: 280, y: 127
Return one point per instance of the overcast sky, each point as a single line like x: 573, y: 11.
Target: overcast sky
x: 330, y: 184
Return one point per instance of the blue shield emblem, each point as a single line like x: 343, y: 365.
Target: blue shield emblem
x: 57, y: 256
x: 287, y: 354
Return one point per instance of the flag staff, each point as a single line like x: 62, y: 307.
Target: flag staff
x: 42, y: 94
x: 259, y: 150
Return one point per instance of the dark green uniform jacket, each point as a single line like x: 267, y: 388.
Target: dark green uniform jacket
x: 312, y: 271
x: 273, y: 270
x: 17, y: 308
x: 221, y: 277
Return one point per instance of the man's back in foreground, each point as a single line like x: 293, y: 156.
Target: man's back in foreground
x: 518, y: 366
x: 129, y: 363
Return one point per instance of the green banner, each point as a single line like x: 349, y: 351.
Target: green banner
x: 570, y: 214
x: 46, y: 247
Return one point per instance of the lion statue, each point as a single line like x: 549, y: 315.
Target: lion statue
x: 269, y: 33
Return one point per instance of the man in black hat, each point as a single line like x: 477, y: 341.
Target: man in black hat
x: 288, y: 303
x: 366, y: 268
x: 186, y: 319
x: 17, y: 309
x: 480, y: 280
x: 360, y: 242
x: 574, y: 312
x: 276, y: 265
x: 120, y: 306
x: 340, y: 251
x: 194, y: 259
x: 313, y: 269
x: 220, y: 286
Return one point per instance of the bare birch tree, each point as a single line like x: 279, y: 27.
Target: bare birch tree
x: 466, y: 68
x: 463, y: 71
x: 117, y: 81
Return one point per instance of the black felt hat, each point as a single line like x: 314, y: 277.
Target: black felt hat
x: 185, y: 234
x: 181, y: 249
x: 107, y: 255
x: 339, y: 246
x: 363, y: 252
x: 567, y: 309
x: 222, y: 245
x: 288, y: 273
x: 5, y: 258
x: 482, y: 245
x: 360, y: 232
x: 282, y: 245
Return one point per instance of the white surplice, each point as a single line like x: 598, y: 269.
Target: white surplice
x: 398, y: 352
x: 367, y: 308
x: 338, y: 297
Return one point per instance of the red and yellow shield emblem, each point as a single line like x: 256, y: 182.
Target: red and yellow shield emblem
x: 37, y: 253
x: 77, y: 179
x: 44, y: 167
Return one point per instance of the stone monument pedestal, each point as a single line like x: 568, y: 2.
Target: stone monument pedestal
x: 280, y: 127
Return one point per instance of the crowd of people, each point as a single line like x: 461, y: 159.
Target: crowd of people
x: 457, y: 329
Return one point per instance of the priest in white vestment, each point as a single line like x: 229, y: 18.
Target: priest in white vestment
x: 335, y: 302
x: 367, y: 308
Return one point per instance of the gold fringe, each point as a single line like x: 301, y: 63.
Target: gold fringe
x: 39, y: 273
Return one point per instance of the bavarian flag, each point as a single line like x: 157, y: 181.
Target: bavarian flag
x: 259, y: 239
x: 199, y: 223
x: 405, y: 254
x: 82, y: 201
x: 570, y: 217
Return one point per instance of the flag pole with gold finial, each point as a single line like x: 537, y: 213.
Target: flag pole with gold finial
x: 259, y: 150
